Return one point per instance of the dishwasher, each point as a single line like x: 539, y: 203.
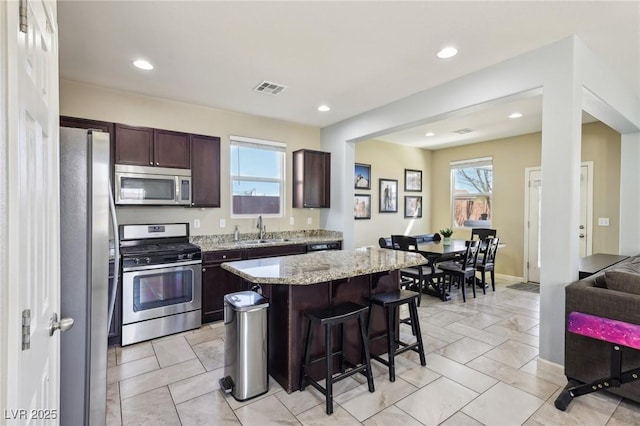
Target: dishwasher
x: 334, y: 245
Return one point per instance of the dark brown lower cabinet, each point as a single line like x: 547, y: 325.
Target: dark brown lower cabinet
x: 216, y: 282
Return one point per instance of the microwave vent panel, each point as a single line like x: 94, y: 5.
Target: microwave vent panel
x: 464, y: 131
x: 270, y: 88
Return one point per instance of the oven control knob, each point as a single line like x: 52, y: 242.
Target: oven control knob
x: 137, y: 261
x: 190, y: 256
x: 147, y: 259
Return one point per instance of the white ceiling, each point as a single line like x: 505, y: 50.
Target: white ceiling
x: 351, y: 55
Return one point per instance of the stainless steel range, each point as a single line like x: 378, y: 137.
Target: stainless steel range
x: 161, y: 281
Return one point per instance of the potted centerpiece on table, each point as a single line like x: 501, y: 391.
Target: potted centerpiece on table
x: 446, y: 236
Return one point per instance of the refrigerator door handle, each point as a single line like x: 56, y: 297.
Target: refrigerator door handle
x: 116, y: 258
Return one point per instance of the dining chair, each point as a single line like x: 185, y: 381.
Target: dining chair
x: 483, y: 233
x: 488, y: 261
x: 384, y: 242
x: 415, y: 276
x: 461, y: 272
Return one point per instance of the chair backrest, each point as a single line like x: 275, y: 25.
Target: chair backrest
x: 471, y: 254
x: 426, y: 238
x: 404, y: 243
x: 483, y: 233
x: 384, y: 242
x: 492, y: 249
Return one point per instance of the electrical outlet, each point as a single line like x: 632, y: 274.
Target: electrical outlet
x: 223, y: 223
x: 309, y: 221
x: 291, y: 221
x: 196, y: 223
x: 603, y: 221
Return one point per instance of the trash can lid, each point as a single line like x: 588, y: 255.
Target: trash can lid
x: 246, y: 299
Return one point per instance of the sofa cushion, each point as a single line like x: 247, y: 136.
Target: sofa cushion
x: 600, y: 281
x: 623, y: 280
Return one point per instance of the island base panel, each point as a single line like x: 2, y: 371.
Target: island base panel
x: 288, y: 327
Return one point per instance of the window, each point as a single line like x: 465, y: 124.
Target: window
x: 257, y: 177
x: 472, y: 190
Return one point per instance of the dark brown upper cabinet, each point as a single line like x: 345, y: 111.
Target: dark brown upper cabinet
x: 144, y: 146
x: 311, y: 179
x: 205, y: 171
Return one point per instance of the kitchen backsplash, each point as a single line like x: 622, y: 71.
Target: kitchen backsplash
x: 228, y: 238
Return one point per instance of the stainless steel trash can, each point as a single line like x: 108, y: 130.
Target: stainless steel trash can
x: 245, y: 345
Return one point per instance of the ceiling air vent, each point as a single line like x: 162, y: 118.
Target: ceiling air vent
x: 464, y: 131
x: 269, y: 88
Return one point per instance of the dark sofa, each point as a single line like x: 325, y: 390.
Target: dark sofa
x: 613, y: 293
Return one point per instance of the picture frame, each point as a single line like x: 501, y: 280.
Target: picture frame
x: 362, y: 176
x: 362, y: 206
x: 412, y: 180
x: 388, y: 195
x: 413, y: 206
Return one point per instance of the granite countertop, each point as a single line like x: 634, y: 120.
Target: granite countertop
x: 225, y: 242
x: 322, y: 266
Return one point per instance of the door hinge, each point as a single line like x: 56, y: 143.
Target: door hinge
x: 23, y: 16
x: 527, y: 265
x: 26, y: 329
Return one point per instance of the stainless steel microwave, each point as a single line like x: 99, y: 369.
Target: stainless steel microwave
x: 160, y: 186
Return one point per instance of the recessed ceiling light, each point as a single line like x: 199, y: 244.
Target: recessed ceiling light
x: 447, y: 52
x: 429, y: 134
x: 324, y: 108
x: 142, y: 64
x: 515, y: 115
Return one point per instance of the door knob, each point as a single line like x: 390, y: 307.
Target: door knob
x: 63, y: 325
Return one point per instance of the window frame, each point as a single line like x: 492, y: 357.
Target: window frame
x: 473, y: 162
x: 279, y: 147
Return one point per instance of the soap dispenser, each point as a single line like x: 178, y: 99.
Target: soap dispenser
x: 236, y: 234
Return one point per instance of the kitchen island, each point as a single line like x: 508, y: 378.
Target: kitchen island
x: 295, y: 284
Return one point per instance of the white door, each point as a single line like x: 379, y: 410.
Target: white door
x: 30, y: 62
x: 532, y: 240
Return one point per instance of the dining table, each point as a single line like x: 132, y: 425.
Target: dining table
x: 436, y: 252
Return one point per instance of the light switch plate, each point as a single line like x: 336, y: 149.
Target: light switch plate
x: 196, y: 223
x: 309, y: 221
x: 223, y: 223
x: 603, y: 221
x: 291, y: 221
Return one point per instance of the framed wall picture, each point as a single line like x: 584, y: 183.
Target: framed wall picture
x: 362, y: 177
x: 412, y: 180
x: 388, y: 195
x: 412, y: 206
x: 362, y: 206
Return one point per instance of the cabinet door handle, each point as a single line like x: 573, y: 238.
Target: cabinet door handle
x: 151, y: 163
x: 204, y: 269
x: 157, y: 163
x: 224, y: 256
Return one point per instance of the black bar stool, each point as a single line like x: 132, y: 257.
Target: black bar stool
x: 390, y: 303
x: 338, y: 314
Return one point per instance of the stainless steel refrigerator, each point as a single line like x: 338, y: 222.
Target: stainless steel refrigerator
x: 84, y: 235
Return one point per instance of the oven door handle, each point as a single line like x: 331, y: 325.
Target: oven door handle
x: 161, y: 266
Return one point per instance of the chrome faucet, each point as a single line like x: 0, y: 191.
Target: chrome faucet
x: 260, y: 228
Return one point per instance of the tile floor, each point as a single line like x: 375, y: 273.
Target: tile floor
x: 482, y: 369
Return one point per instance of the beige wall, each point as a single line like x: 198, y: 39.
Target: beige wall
x: 92, y: 102
x: 601, y: 144
x: 510, y: 157
x: 389, y: 161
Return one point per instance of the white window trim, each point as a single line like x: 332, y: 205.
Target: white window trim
x: 263, y: 144
x: 460, y: 164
